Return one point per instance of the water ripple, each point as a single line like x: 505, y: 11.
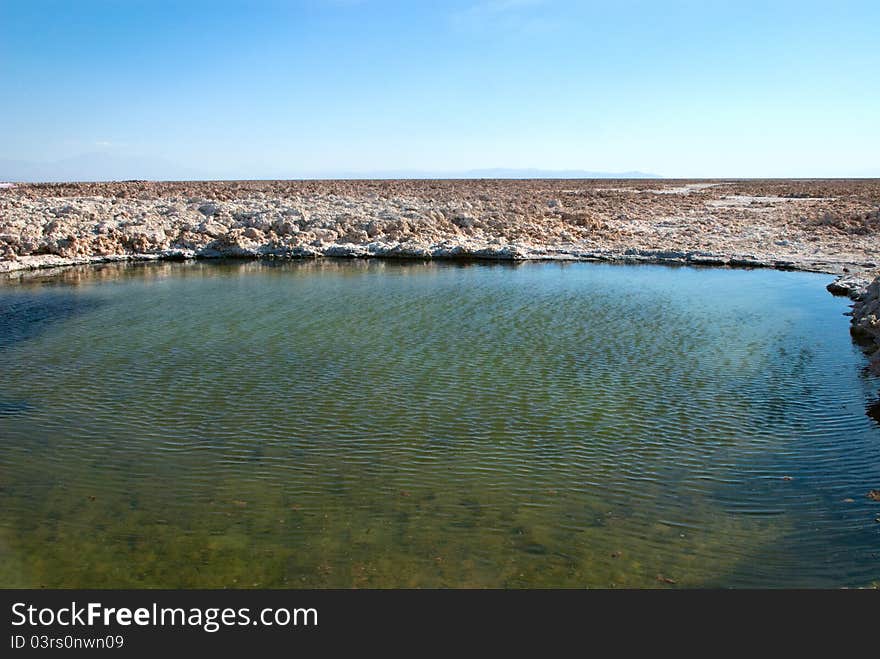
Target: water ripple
x: 427, y: 425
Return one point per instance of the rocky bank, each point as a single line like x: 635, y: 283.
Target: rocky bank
x: 824, y: 225
x: 866, y: 323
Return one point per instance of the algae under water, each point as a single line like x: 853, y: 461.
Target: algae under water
x: 379, y: 424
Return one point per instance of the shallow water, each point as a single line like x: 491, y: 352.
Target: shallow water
x: 336, y: 424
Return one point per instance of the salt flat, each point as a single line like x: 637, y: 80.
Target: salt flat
x: 820, y: 225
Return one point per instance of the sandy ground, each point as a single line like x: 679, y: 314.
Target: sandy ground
x: 822, y: 225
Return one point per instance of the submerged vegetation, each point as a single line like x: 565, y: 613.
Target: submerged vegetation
x: 366, y: 424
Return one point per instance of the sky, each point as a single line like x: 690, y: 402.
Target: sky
x: 344, y: 87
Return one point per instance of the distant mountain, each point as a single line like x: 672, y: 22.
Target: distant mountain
x: 553, y: 173
x: 107, y: 166
x: 499, y: 172
x: 98, y: 166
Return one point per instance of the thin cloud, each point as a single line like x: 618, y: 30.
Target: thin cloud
x: 506, y: 5
x: 507, y: 16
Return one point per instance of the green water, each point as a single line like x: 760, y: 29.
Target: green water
x: 373, y: 424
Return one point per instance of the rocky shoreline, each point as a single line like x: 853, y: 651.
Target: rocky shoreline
x: 866, y: 323
x: 825, y: 226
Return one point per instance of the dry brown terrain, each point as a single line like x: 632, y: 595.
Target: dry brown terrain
x: 823, y: 225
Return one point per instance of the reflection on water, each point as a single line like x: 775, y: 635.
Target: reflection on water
x: 873, y: 410
x: 335, y: 424
x: 24, y: 316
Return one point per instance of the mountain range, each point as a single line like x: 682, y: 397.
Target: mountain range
x: 103, y: 166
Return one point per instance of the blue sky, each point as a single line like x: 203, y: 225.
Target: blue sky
x: 287, y: 89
